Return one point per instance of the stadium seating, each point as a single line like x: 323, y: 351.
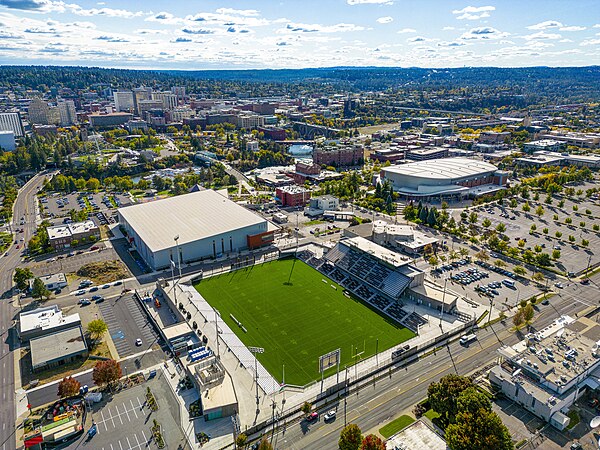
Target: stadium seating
x: 413, y: 321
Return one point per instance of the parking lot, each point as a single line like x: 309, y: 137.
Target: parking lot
x: 124, y: 422
x: 551, y: 228
x: 485, y: 282
x: 127, y: 322
x: 59, y: 204
x: 69, y: 264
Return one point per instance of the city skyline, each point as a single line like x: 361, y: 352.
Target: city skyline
x: 225, y: 35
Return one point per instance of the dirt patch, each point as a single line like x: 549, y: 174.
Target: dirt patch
x: 104, y: 271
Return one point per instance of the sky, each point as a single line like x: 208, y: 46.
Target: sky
x: 243, y: 34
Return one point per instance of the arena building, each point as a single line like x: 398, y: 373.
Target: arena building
x: 207, y: 224
x: 459, y: 177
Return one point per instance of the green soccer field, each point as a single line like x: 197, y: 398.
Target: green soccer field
x: 298, y: 322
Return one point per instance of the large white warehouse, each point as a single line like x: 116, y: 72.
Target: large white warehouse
x: 207, y: 224
x: 447, y: 176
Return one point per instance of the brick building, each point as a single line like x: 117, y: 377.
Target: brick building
x: 292, y: 195
x: 339, y: 156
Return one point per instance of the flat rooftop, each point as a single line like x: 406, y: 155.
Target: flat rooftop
x: 377, y: 251
x: 192, y: 217
x: 61, y: 231
x: 416, y: 436
x: 559, y: 352
x: 57, y: 345
x: 221, y: 395
x: 45, y: 319
x: 445, y: 168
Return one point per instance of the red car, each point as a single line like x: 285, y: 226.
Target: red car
x: 95, y: 247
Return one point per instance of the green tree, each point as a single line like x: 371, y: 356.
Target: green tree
x: 528, y: 312
x: 350, y: 437
x: 106, y: 372
x: 518, y: 318
x: 443, y: 396
x: 519, y: 270
x: 472, y: 400
x: 241, y: 440
x: 96, y: 328
x: 265, y: 444
x: 526, y: 207
x: 539, y: 211
x: 482, y: 430
x: 538, y: 277
x: 543, y: 259
x: 545, y: 230
x: 68, y: 387
x: 596, y: 227
x: 501, y: 228
x: 555, y: 254
x: 21, y: 277
x: 486, y: 223
x: 372, y: 442
x: 585, y: 242
x: 39, y: 289
x: 558, y: 234
x: 306, y: 408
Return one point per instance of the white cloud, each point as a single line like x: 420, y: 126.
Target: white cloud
x: 416, y: 39
x: 407, y: 30
x: 573, y: 28
x: 542, y: 35
x: 565, y: 40
x: 596, y: 25
x: 483, y: 33
x: 448, y: 28
x: 369, y: 2
x: 318, y: 28
x: 386, y: 19
x: 238, y: 12
x: 473, y: 12
x: 545, y: 25
x: 588, y: 42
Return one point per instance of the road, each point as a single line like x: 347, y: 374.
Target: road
x: 25, y: 206
x: 375, y: 405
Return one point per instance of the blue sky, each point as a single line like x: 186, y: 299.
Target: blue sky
x: 197, y: 34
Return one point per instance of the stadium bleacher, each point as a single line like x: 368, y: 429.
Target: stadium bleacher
x: 413, y: 321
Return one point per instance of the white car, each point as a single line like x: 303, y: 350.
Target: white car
x: 558, y: 285
x: 80, y: 292
x: 138, y: 342
x: 329, y: 415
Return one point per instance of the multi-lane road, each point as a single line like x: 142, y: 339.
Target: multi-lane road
x: 376, y: 404
x: 25, y: 206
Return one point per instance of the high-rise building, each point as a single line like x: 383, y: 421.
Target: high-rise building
x: 68, y: 115
x: 179, y: 91
x: 38, y: 111
x: 139, y: 95
x: 168, y: 99
x: 11, y: 121
x: 123, y: 101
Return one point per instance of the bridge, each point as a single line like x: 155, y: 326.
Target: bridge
x: 298, y: 142
x: 310, y: 131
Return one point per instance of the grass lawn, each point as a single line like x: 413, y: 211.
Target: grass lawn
x: 395, y: 425
x: 297, y: 323
x: 431, y: 414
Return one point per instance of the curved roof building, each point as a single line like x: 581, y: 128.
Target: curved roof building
x: 444, y: 176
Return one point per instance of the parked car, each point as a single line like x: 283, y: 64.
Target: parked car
x: 138, y: 342
x: 80, y: 292
x: 85, y: 302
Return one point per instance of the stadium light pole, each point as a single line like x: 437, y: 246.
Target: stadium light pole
x: 217, y: 333
x: 255, y: 350
x: 176, y: 238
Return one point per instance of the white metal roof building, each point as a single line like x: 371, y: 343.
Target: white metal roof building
x: 207, y: 224
x: 442, y: 176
